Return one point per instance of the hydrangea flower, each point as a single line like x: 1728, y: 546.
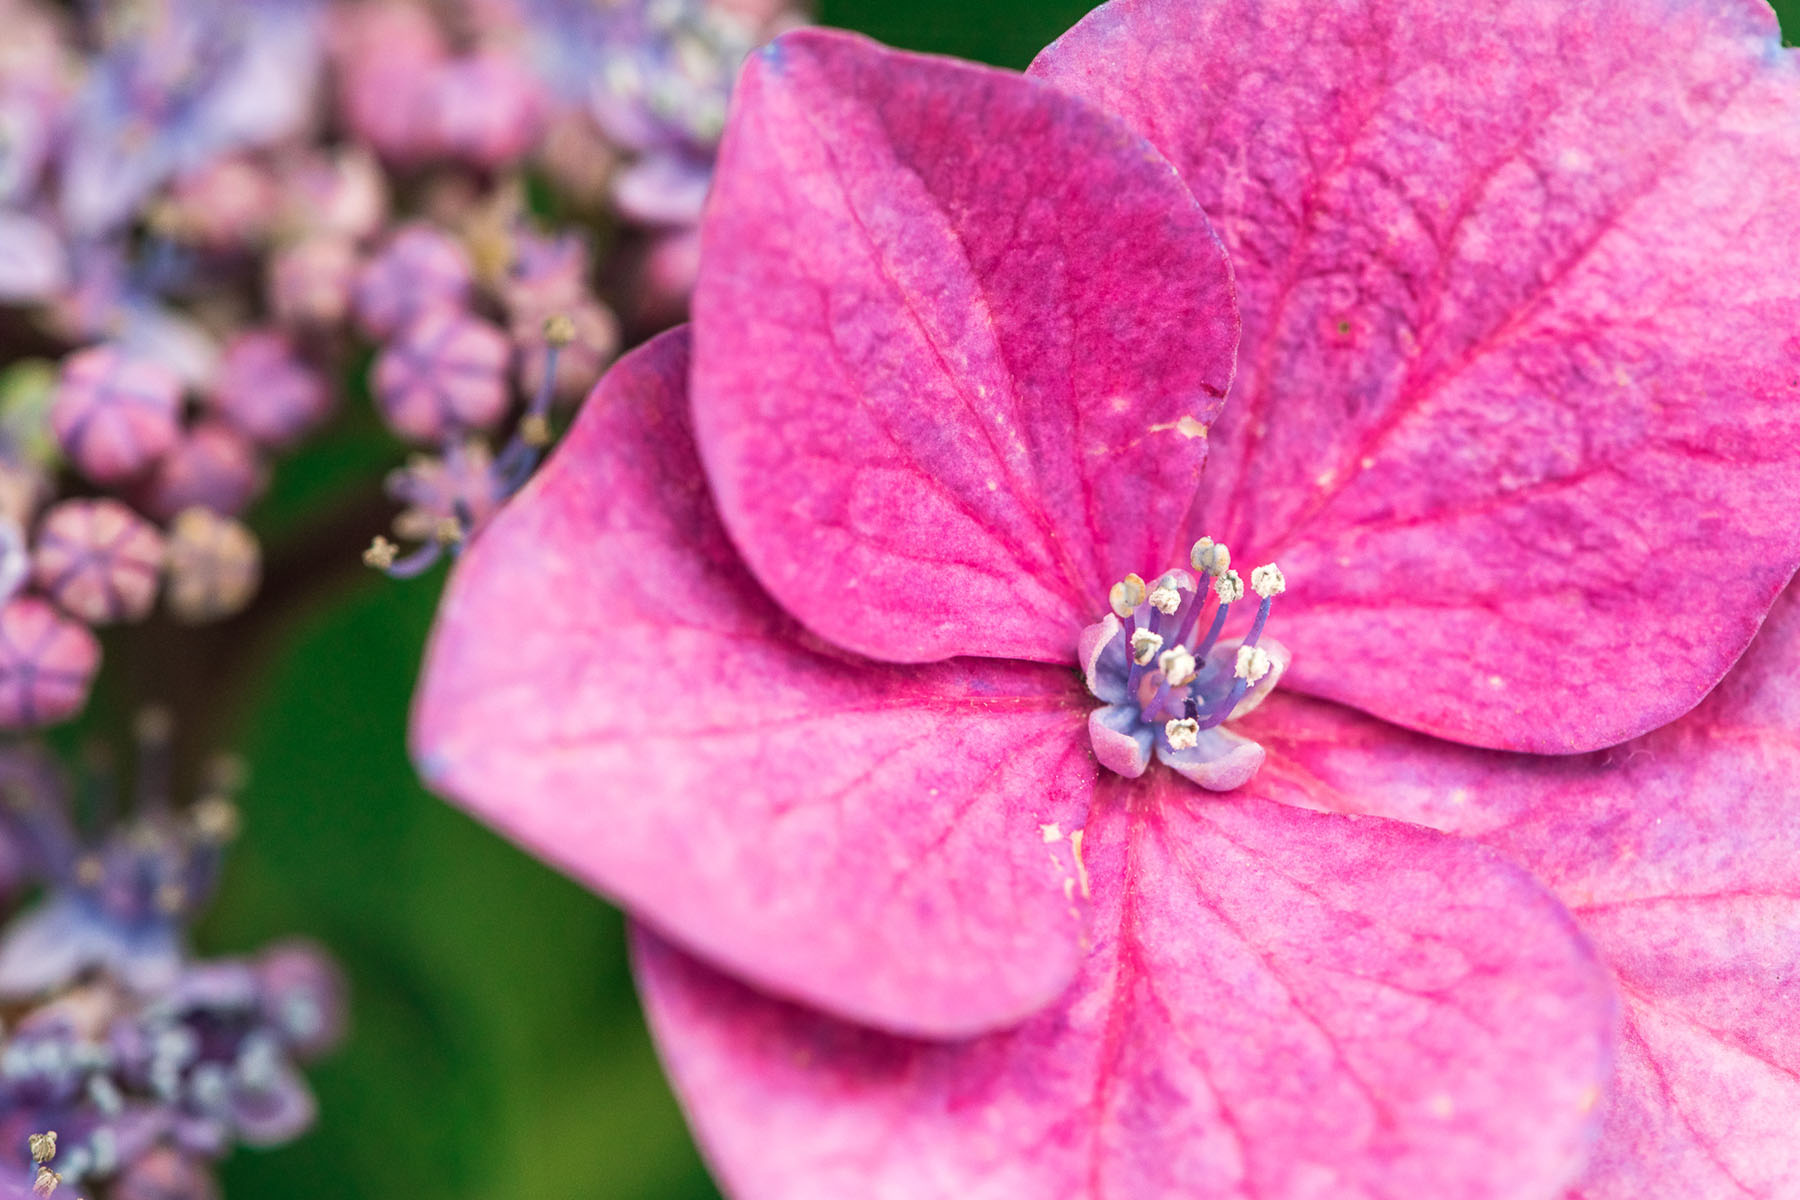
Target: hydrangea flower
x: 797, y: 685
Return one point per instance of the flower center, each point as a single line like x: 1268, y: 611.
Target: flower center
x: 1169, y: 683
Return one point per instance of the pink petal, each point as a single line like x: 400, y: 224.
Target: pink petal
x: 1679, y: 854
x: 1279, y: 1004
x: 1517, y: 403
x: 608, y: 686
x: 957, y: 338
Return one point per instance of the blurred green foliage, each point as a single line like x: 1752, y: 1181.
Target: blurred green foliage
x: 497, y: 1051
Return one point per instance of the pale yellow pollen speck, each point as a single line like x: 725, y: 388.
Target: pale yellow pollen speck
x: 1187, y: 427
x: 1080, y: 863
x: 1052, y: 832
x: 1442, y: 1107
x: 1325, y: 478
x: 1590, y: 1098
x: 1367, y: 463
x: 993, y: 485
x: 1459, y: 795
x: 1495, y: 681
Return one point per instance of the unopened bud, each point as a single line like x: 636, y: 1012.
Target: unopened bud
x: 1267, y: 581
x: 1144, y: 646
x: 1126, y: 595
x: 214, y: 566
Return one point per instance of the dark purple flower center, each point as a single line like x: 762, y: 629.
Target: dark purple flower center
x: 1169, y: 683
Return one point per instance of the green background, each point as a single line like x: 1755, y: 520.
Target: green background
x: 497, y: 1050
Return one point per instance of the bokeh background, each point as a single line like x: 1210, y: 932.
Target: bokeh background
x: 497, y: 1051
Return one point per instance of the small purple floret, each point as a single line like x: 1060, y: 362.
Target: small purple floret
x: 213, y: 466
x: 419, y: 268
x: 47, y: 663
x: 486, y: 111
x: 310, y: 281
x: 267, y: 391
x: 98, y: 560
x: 114, y: 415
x: 445, y: 372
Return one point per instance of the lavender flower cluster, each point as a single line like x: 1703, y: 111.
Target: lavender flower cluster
x: 210, y: 211
x: 219, y: 220
x: 139, y: 1063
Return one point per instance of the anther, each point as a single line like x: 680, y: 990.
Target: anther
x: 380, y: 554
x: 1144, y: 646
x: 559, y: 330
x: 1230, y: 586
x: 216, y: 819
x: 43, y: 1146
x: 89, y: 870
x: 1126, y: 595
x: 1183, y: 734
x: 1165, y: 599
x: 1267, y: 581
x: 449, y: 531
x: 1252, y: 663
x: 534, y: 431
x: 1177, y: 666
x: 1211, y: 557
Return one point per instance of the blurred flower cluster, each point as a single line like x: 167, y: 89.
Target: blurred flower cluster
x: 141, y: 1064
x: 225, y: 225
x: 215, y: 217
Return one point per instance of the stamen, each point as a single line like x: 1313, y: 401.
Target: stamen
x: 1144, y: 646
x: 1174, y: 690
x: 1178, y: 666
x: 1126, y: 595
x: 521, y: 455
x: 380, y: 554
x: 155, y: 729
x: 451, y: 530
x: 1252, y: 663
x: 1211, y: 557
x: 1267, y: 581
